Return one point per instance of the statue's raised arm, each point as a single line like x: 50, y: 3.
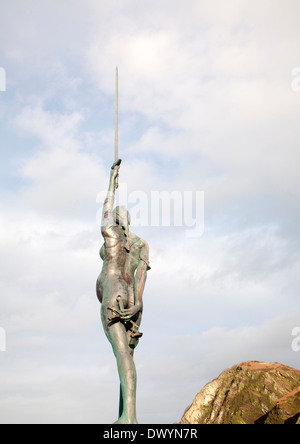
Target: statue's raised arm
x: 107, y: 212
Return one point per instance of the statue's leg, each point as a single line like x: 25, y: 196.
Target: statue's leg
x: 116, y: 333
x: 127, y: 375
x: 120, y: 402
x: 132, y: 344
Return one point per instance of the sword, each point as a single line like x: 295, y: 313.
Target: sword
x: 116, y: 125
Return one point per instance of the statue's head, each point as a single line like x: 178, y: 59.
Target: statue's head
x: 121, y: 216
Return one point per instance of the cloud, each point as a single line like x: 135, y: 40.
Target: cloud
x: 61, y: 177
x: 221, y: 98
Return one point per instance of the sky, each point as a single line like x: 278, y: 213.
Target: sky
x: 209, y: 109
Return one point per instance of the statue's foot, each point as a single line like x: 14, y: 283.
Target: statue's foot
x: 125, y: 420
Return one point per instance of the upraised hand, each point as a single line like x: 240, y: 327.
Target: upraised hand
x: 114, y: 174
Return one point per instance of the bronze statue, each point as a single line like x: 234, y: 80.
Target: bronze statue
x: 120, y: 287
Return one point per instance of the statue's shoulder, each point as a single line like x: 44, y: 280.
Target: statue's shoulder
x: 143, y: 249
x: 138, y: 241
x: 144, y: 244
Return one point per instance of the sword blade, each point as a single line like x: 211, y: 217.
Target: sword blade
x: 116, y: 117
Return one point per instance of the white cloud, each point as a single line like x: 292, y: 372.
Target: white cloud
x: 225, y: 93
x: 62, y: 177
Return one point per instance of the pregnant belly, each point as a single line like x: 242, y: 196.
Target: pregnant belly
x: 109, y: 287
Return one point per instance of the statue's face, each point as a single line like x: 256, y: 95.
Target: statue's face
x: 122, y: 216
